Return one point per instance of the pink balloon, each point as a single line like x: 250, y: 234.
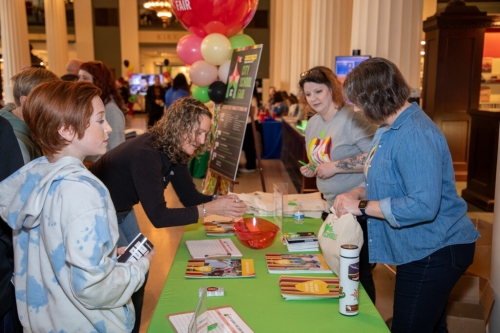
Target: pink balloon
x: 202, y: 73
x: 189, y: 49
x: 196, y: 15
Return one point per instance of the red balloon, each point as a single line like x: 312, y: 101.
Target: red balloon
x: 203, y: 17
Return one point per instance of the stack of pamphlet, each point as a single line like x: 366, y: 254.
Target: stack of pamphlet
x: 301, y: 241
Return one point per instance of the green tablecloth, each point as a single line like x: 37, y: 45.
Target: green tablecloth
x: 258, y: 300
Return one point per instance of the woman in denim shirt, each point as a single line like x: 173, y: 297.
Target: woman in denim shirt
x: 416, y: 220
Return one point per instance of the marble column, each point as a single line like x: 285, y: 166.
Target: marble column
x: 84, y: 30
x: 57, y: 36
x: 129, y: 35
x: 392, y: 30
x: 15, y: 45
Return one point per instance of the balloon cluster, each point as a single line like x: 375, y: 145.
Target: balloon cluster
x: 209, y: 48
x: 130, y: 68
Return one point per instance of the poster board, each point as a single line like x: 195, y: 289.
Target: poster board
x: 234, y: 111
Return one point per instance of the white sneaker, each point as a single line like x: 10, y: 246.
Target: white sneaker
x: 245, y: 170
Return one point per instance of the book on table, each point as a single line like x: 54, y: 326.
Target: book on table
x: 220, y: 268
x: 309, y: 288
x: 213, y: 248
x: 301, y: 241
x: 297, y: 264
x: 217, y: 225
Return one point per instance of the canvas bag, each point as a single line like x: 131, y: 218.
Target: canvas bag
x: 336, y: 232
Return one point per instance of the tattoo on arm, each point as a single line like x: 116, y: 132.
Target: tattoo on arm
x: 351, y: 162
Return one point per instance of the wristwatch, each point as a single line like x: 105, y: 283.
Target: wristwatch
x: 362, y: 206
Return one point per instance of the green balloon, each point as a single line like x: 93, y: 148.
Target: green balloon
x: 241, y: 40
x: 200, y: 93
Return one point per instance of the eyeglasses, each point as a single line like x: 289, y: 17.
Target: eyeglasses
x: 313, y: 73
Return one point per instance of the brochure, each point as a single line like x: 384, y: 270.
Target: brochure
x: 309, y: 288
x: 138, y: 248
x: 296, y: 264
x: 220, y: 268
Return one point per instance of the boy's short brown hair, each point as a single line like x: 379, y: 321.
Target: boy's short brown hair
x: 53, y: 105
x: 26, y: 80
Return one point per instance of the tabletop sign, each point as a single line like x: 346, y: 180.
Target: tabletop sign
x: 235, y: 110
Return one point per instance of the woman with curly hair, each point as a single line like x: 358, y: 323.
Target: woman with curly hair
x: 140, y: 169
x: 100, y: 75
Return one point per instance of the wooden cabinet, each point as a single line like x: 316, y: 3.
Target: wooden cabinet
x: 481, y: 174
x: 452, y: 74
x: 292, y: 150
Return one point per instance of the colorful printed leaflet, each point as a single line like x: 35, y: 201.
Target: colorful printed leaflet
x: 216, y: 225
x: 296, y: 264
x: 220, y: 268
x: 308, y: 288
x: 222, y: 319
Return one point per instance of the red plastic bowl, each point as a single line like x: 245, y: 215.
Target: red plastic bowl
x: 255, y: 233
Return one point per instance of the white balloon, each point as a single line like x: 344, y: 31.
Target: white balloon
x: 202, y: 73
x: 224, y: 71
x: 216, y: 49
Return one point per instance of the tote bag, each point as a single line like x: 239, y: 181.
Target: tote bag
x: 336, y: 232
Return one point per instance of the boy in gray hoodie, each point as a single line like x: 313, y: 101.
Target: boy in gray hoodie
x: 66, y: 273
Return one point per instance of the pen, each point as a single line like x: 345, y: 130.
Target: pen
x: 305, y: 164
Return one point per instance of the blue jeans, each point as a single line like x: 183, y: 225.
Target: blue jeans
x: 423, y: 287
x: 128, y: 227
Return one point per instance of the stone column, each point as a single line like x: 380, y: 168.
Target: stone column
x: 15, y: 45
x: 84, y: 31
x: 57, y: 36
x: 392, y: 30
x: 129, y: 35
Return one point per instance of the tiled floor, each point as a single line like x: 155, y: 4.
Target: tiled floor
x: 166, y: 240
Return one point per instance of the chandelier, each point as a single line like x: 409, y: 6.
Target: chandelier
x: 163, y: 10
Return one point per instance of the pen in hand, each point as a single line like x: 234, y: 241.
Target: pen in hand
x: 309, y: 166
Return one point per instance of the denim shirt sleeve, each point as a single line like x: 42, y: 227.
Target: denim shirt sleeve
x: 418, y: 168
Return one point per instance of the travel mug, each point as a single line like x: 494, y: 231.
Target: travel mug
x: 349, y: 279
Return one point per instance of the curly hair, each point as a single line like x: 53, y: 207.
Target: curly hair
x: 378, y: 87
x: 321, y: 75
x: 104, y: 79
x: 181, y: 120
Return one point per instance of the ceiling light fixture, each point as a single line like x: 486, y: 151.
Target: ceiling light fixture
x: 163, y: 10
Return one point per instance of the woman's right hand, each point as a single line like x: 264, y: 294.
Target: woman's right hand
x: 307, y: 172
x: 228, y: 205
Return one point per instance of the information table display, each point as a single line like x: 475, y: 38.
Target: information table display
x: 258, y: 300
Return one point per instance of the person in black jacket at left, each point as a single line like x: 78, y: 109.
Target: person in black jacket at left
x: 11, y: 159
